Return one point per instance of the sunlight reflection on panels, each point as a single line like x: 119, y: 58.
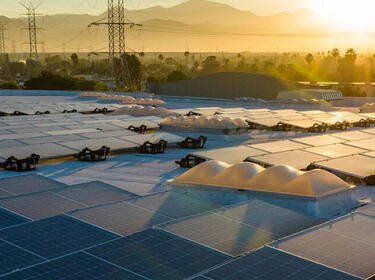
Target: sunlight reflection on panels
x: 121, y: 217
x: 239, y: 229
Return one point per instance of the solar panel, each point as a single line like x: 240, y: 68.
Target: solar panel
x: 242, y: 228
x: 353, y: 135
x: 335, y: 151
x: 51, y: 139
x: 37, y: 129
x: 347, y: 244
x: 94, y: 193
x: 113, y: 143
x: 70, y: 131
x: 40, y: 205
x: 298, y: 159
x: 159, y: 255
x: 358, y: 165
x: 121, y: 217
x: 56, y: 236
x: 8, y: 219
x: 46, y: 151
x: 21, y: 136
x: 106, y: 134
x: 172, y: 204
x: 229, y: 155
x: 13, y: 258
x: 221, y: 233
x: 10, y: 143
x: 318, y: 140
x: 368, y: 144
x: 26, y: 184
x: 76, y: 266
x: 279, y: 146
x: 268, y: 263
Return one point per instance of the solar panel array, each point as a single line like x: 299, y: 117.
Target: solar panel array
x: 241, y: 228
x: 293, y: 119
x: 348, y: 153
x: 268, y: 264
x: 60, y: 135
x: 347, y: 244
x: 54, y: 245
x: 54, y: 201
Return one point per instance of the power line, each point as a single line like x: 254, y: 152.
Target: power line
x: 154, y: 29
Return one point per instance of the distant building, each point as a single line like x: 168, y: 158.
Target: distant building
x: 226, y: 85
x: 324, y: 94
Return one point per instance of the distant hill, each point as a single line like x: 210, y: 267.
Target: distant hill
x: 199, y: 25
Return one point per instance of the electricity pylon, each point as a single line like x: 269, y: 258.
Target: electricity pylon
x: 117, y: 22
x: 32, y: 28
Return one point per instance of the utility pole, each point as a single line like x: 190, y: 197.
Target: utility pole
x: 117, y: 22
x: 32, y: 29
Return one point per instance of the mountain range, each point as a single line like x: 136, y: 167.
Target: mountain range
x: 197, y: 25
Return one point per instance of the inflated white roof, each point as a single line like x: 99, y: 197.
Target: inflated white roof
x: 215, y: 122
x: 280, y: 179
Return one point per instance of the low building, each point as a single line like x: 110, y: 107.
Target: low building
x: 325, y: 94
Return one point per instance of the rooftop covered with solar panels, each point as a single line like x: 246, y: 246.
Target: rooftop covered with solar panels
x: 138, y: 186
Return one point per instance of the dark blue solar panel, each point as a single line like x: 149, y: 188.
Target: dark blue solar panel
x: 271, y: 264
x: 8, y: 219
x: 12, y: 258
x: 56, y: 236
x: 79, y: 266
x: 159, y: 255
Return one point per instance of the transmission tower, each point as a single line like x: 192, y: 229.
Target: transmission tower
x: 32, y: 29
x: 2, y: 39
x: 117, y: 23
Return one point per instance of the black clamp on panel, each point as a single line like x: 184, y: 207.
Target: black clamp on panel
x: 150, y: 148
x: 142, y: 129
x: 318, y: 128
x: 100, y: 111
x: 42, y: 113
x: 192, y: 113
x: 190, y: 161
x: 190, y: 143
x: 93, y: 155
x: 18, y: 113
x: 21, y: 165
x: 69, y: 111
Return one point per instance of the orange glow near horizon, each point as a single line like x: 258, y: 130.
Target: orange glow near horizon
x: 347, y: 15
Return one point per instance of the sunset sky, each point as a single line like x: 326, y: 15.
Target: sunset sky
x: 340, y: 13
x: 12, y: 8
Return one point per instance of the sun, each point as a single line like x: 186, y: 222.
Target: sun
x: 347, y: 15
